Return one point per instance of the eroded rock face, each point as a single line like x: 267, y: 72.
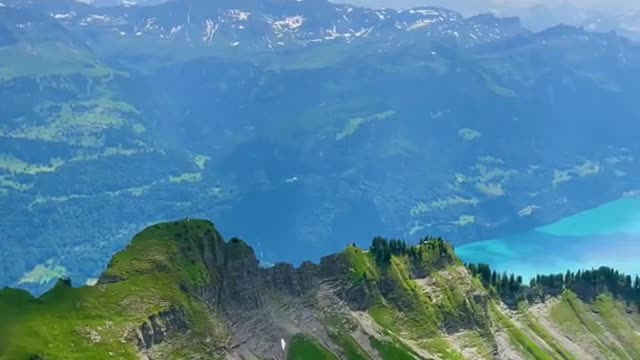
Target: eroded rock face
x: 261, y: 306
x: 109, y: 279
x: 295, y: 282
x: 241, y: 278
x: 246, y: 285
x: 160, y: 327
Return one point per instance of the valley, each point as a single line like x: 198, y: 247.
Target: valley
x: 482, y: 135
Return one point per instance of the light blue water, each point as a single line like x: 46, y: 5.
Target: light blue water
x: 608, y: 235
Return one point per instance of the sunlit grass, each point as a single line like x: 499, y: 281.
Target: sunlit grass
x: 186, y: 177
x: 440, y: 204
x: 587, y: 168
x: 355, y: 123
x: 469, y: 134
x: 44, y: 273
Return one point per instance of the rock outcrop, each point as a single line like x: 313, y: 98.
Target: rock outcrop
x: 161, y: 327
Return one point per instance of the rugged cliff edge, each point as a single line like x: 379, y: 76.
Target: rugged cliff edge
x: 180, y: 292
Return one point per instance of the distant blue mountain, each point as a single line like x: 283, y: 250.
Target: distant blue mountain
x: 301, y: 126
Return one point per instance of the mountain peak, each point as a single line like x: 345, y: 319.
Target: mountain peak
x: 190, y: 247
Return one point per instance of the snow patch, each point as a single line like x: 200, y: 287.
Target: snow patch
x: 332, y: 33
x: 420, y: 24
x: 291, y: 23
x: 68, y: 15
x: 363, y: 32
x: 210, y: 30
x: 239, y: 15
x: 175, y: 29
x: 94, y: 18
x: 528, y: 210
x: 424, y: 12
x: 151, y: 24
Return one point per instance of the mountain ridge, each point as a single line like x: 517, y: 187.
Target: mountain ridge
x: 271, y: 26
x: 179, y: 291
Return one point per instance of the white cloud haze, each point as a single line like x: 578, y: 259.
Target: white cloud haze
x: 485, y: 5
x: 535, y: 14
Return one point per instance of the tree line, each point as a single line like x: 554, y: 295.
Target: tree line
x: 587, y: 284
x: 383, y: 249
x: 505, y: 285
x: 511, y: 288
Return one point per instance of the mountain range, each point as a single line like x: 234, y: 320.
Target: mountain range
x: 627, y: 24
x: 276, y: 24
x: 538, y: 15
x: 178, y: 291
x: 300, y: 125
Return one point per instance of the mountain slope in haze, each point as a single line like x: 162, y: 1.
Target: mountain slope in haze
x: 105, y: 3
x: 274, y: 25
x: 179, y: 291
x: 404, y: 130
x: 627, y: 24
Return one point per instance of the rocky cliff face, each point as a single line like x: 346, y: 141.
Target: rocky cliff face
x: 161, y: 327
x: 180, y: 291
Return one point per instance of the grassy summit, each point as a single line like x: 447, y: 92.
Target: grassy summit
x: 153, y: 275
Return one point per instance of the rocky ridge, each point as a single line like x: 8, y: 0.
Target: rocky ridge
x: 180, y: 291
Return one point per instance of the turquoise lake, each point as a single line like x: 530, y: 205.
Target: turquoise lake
x: 608, y: 235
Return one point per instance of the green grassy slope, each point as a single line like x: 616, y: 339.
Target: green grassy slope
x: 602, y: 325
x: 304, y: 348
x: 91, y: 322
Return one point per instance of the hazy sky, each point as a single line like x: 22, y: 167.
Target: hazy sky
x: 609, y: 6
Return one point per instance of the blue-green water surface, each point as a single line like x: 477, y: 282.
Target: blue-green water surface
x: 608, y: 235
